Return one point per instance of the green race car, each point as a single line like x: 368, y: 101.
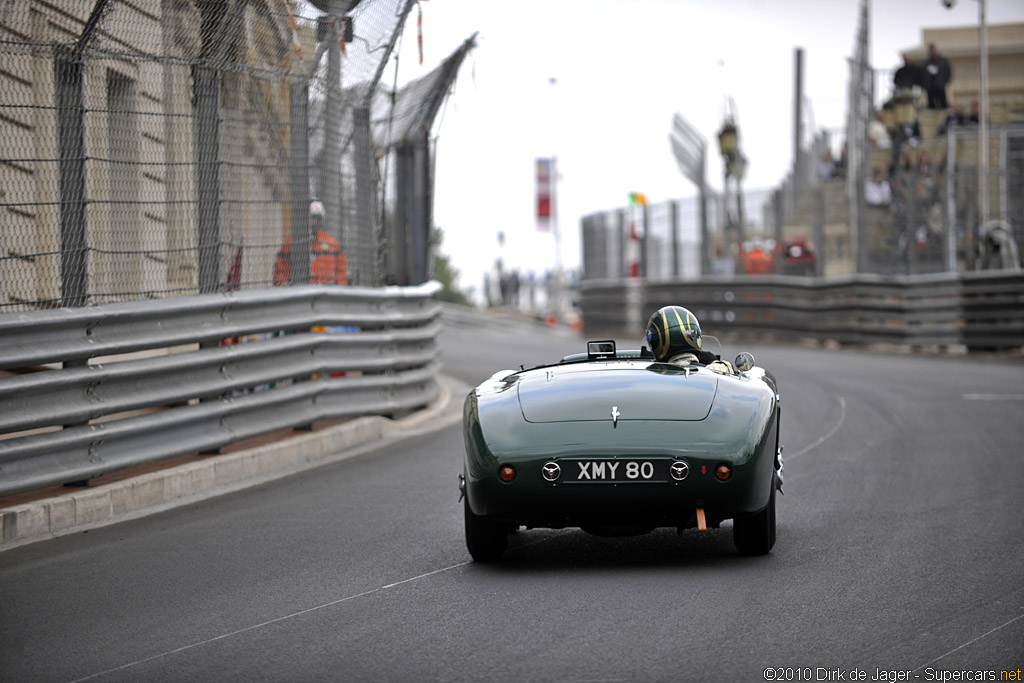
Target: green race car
x: 617, y: 443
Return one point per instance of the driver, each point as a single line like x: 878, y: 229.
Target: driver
x: 673, y: 335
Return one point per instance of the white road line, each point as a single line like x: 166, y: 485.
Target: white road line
x: 993, y: 397
x: 266, y: 623
x: 842, y: 419
x: 971, y: 642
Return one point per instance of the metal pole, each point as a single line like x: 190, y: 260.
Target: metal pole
x: 330, y: 170
x: 819, y: 229
x: 68, y: 78
x: 301, y: 236
x: 702, y: 197
x: 674, y: 219
x: 798, y: 96
x: 779, y: 233
x: 740, y: 213
x: 912, y: 219
x: 951, y: 265
x: 359, y: 242
x: 644, y: 241
x: 623, y: 237
x: 558, y: 237
x: 207, y: 135
x: 727, y: 214
x: 983, y: 117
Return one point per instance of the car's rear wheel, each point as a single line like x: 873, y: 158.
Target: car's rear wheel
x: 486, y: 540
x: 755, y: 534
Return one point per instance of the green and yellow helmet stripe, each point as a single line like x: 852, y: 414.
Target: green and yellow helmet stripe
x: 673, y: 330
x: 688, y: 322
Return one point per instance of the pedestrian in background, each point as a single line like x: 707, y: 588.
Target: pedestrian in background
x: 328, y: 264
x: 877, y: 191
x: 909, y: 75
x: 937, y: 77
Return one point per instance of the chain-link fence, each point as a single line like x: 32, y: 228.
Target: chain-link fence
x: 914, y: 199
x: 663, y: 241
x: 152, y: 148
x: 923, y: 213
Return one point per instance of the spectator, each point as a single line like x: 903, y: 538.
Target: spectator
x: 839, y: 169
x: 924, y: 164
x: 937, y: 77
x: 954, y: 119
x: 909, y: 75
x: 975, y: 116
x: 328, y: 264
x: 903, y: 165
x: 876, y: 189
x: 825, y: 166
x: 877, y: 133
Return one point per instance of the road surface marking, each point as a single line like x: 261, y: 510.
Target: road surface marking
x: 300, y: 613
x: 842, y: 418
x: 993, y: 397
x: 266, y: 623
x: 971, y: 642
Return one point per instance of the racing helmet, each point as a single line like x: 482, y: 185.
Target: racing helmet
x: 672, y: 330
x: 316, y: 209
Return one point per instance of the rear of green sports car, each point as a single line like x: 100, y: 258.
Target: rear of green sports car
x: 621, y: 446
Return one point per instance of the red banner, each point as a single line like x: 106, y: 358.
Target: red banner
x: 545, y: 193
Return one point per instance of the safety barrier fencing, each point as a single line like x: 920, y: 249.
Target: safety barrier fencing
x: 979, y: 311
x: 88, y: 391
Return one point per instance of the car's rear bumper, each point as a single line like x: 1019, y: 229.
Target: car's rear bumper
x: 531, y: 501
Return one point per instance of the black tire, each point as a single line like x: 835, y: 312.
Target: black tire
x: 755, y: 534
x: 485, y: 540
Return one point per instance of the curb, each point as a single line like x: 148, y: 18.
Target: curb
x: 155, y: 492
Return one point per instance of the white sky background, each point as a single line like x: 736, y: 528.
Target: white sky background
x: 623, y: 67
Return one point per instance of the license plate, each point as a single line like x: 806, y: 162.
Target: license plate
x: 618, y: 471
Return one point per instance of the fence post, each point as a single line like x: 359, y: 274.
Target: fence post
x: 623, y: 240
x: 705, y: 260
x: 330, y: 182
x: 207, y: 133
x: 780, y: 235
x: 819, y: 228
x: 911, y: 222
x: 860, y: 174
x: 951, y: 260
x: 70, y: 98
x: 674, y: 218
x: 644, y: 241
x: 298, y: 128
x: 360, y: 237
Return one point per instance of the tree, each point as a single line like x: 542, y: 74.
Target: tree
x: 446, y: 274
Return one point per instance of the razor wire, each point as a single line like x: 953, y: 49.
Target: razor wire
x: 156, y: 148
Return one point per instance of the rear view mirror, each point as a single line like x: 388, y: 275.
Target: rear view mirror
x: 744, y: 362
x: 601, y: 349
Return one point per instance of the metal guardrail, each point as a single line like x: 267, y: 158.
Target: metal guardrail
x: 977, y: 310
x: 380, y: 359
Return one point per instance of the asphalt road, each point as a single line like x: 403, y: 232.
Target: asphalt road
x: 899, y: 549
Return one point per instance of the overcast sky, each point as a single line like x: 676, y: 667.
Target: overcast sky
x: 621, y: 68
